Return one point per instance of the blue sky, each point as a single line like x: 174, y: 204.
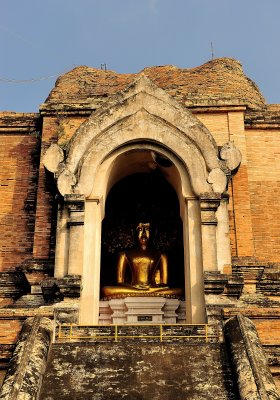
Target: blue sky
x: 40, y: 39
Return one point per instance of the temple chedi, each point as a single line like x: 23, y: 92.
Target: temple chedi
x: 140, y: 245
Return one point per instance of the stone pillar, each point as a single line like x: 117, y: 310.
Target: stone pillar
x: 223, y: 239
x: 91, y: 263
x: 62, y: 242
x: 209, y: 203
x: 195, y: 305
x: 75, y: 205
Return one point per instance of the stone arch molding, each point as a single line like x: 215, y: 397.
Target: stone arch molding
x: 143, y: 113
x: 142, y: 118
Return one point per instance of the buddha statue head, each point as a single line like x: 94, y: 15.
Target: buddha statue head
x: 143, y: 233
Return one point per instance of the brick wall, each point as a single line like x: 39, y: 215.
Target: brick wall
x: 217, y: 123
x: 11, y: 321
x: 45, y: 210
x: 254, y: 211
x: 263, y: 152
x: 254, y: 226
x: 55, y: 129
x: 226, y: 126
x: 268, y: 330
x: 18, y: 189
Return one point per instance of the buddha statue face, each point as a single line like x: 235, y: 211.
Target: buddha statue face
x: 143, y: 233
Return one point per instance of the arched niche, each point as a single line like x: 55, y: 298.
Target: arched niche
x: 129, y: 135
x: 125, y: 163
x: 143, y: 197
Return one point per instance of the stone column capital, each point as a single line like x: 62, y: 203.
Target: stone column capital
x: 190, y: 198
x: 75, y: 204
x: 209, y: 203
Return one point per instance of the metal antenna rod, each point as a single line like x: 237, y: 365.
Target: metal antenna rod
x: 212, y: 51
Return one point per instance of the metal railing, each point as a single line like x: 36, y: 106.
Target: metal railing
x: 163, y: 332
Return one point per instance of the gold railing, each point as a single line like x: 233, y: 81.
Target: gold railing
x: 163, y: 332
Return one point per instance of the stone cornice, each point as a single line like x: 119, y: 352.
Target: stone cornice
x: 19, y: 123
x: 86, y: 109
x: 252, y: 312
x: 23, y: 313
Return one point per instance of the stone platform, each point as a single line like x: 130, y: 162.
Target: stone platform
x: 142, y: 310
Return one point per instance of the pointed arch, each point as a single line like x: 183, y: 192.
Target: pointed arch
x: 142, y: 113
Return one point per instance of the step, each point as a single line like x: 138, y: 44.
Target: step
x: 134, y: 370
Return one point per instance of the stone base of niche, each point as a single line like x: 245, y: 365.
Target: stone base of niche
x: 142, y: 310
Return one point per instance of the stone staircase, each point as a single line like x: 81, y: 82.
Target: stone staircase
x: 135, y: 369
x: 135, y: 363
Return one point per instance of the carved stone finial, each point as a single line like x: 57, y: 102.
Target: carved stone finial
x: 232, y: 156
x: 53, y: 157
x: 65, y: 182
x: 218, y: 180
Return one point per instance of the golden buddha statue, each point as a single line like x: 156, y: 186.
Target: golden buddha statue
x: 149, y: 271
